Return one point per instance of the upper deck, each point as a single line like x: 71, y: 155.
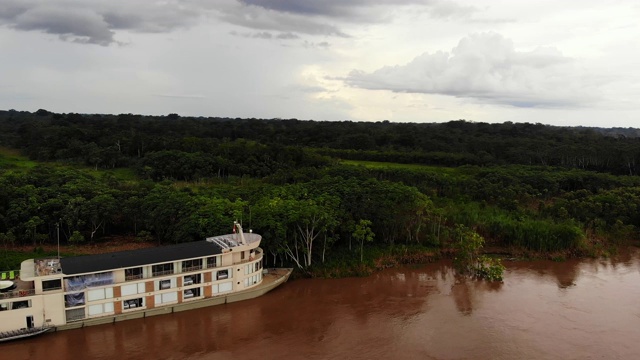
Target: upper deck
x: 229, y: 241
x: 20, y: 288
x: 49, y: 272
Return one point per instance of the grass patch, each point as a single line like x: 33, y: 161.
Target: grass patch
x: 11, y: 159
x: 387, y: 165
x: 122, y: 174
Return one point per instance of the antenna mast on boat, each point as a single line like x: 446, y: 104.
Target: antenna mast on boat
x: 58, y: 231
x: 236, y: 225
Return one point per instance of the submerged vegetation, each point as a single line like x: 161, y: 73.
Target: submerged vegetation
x: 468, y: 261
x: 329, y: 198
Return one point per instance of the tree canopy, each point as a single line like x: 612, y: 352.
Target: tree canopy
x: 312, y: 187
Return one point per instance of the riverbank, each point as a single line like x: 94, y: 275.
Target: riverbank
x: 347, y: 263
x: 342, y: 262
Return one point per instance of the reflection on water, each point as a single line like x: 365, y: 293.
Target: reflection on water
x: 462, y: 295
x: 466, y: 292
x: 543, y: 310
x: 565, y: 273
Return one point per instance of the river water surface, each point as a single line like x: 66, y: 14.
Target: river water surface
x: 586, y: 309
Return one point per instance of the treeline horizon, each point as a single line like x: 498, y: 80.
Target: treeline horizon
x: 109, y: 141
x: 306, y: 185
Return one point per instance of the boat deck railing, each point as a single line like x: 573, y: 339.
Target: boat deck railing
x: 17, y: 293
x: 251, y: 258
x: 133, y: 277
x: 162, y: 273
x: 232, y: 240
x: 191, y: 268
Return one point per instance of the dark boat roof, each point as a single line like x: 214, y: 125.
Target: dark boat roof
x: 133, y: 258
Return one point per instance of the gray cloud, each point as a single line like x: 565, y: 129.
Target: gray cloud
x: 93, y: 22
x: 76, y: 24
x: 321, y: 45
x: 266, y: 35
x: 181, y: 96
x: 262, y: 35
x: 486, y: 67
x: 258, y: 18
x: 329, y: 8
x: 326, y: 17
x: 98, y: 21
x: 358, y: 10
x: 287, y: 36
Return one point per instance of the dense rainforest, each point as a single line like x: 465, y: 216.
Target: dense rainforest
x: 314, y: 188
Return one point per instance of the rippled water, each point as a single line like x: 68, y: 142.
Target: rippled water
x: 588, y: 309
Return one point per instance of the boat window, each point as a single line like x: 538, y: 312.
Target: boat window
x: 131, y: 289
x: 191, y: 265
x: 132, y: 303
x: 49, y: 285
x: 74, y: 299
x: 252, y: 280
x: 192, y: 279
x: 190, y: 293
x: 162, y: 269
x: 79, y: 283
x: 165, y: 284
x: 75, y: 314
x: 166, y: 298
x: 21, y: 304
x: 98, y: 309
x: 212, y: 262
x: 99, y: 294
x: 133, y: 273
x: 222, y: 274
x: 224, y: 287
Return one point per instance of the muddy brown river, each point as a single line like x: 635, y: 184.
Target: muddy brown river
x: 586, y: 309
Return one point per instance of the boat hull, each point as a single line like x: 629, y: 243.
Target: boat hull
x: 271, y: 280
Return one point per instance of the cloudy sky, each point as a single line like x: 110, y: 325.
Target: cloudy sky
x: 551, y: 62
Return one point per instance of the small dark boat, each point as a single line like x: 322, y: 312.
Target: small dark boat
x: 23, y: 333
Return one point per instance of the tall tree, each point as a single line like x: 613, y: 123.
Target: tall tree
x: 363, y: 234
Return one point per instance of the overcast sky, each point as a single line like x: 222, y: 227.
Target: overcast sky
x: 551, y: 62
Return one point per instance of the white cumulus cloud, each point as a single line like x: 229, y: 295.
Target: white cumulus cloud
x: 488, y: 68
